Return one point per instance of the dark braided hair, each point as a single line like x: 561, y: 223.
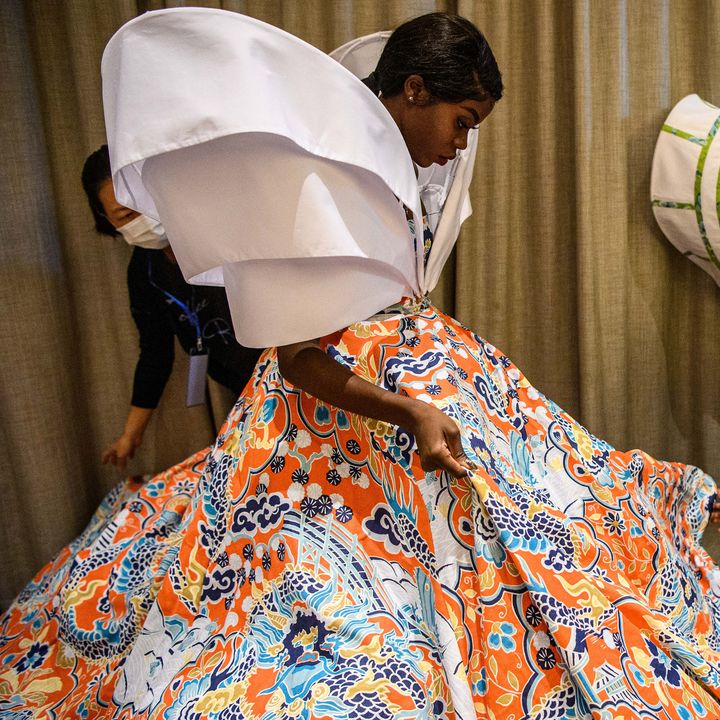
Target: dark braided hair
x: 450, y: 54
x: 94, y: 173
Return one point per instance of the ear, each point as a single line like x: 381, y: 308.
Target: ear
x: 415, y: 91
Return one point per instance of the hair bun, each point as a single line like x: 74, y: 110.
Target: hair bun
x: 373, y: 82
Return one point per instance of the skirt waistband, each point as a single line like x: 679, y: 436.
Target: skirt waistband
x: 407, y: 306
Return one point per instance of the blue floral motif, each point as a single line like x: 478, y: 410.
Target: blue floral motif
x: 698, y: 710
x: 324, y: 505
x: 277, y: 464
x: 663, y: 666
x: 33, y: 658
x: 546, y: 658
x: 533, y: 615
x: 501, y: 637
x: 322, y: 414
x: 333, y: 477
x: 300, y: 476
x: 480, y: 685
x: 343, y: 514
x: 614, y: 523
x: 309, y: 506
x: 268, y: 409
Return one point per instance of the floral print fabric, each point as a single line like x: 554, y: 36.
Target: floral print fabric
x: 306, y: 567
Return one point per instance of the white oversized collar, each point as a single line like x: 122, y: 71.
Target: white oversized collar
x: 274, y: 170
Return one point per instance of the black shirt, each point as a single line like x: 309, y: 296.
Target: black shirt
x: 151, y: 277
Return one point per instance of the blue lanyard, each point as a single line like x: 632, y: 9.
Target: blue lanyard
x: 191, y: 315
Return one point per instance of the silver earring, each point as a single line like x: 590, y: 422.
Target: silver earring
x: 411, y: 98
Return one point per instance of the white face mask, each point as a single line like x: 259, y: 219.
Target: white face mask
x: 144, y: 232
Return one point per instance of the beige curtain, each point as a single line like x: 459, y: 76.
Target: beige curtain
x: 561, y: 264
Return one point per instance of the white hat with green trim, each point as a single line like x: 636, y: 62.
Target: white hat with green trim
x: 684, y: 185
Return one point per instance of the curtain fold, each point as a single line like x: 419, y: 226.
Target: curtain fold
x: 561, y: 264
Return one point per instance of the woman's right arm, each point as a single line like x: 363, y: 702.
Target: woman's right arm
x: 309, y: 368
x: 153, y: 366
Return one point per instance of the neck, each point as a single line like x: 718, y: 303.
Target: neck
x: 394, y: 106
x: 170, y: 255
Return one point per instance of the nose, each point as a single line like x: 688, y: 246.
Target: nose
x: 461, y: 140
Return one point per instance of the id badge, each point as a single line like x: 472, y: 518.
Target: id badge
x: 197, y: 373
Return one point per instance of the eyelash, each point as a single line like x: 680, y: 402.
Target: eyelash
x: 462, y: 125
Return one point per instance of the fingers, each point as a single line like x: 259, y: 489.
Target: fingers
x: 715, y: 509
x: 454, y: 445
x: 440, y: 444
x: 449, y: 458
x: 116, y: 457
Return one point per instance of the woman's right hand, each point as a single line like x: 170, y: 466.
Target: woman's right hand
x: 309, y: 368
x: 438, y: 440
x: 122, y: 450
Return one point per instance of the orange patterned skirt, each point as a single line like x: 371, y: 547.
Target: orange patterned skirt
x: 306, y: 567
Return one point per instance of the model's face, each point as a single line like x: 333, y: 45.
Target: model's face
x: 117, y: 214
x: 435, y: 131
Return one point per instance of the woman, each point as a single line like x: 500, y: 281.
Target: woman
x: 164, y: 307
x: 516, y: 567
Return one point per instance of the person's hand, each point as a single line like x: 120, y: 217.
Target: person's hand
x: 715, y: 509
x: 438, y: 440
x: 125, y: 446
x: 121, y: 450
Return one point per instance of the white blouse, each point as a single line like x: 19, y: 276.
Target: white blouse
x: 274, y: 170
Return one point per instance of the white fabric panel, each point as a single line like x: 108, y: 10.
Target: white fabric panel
x: 256, y: 150
x: 253, y: 147
x: 337, y: 219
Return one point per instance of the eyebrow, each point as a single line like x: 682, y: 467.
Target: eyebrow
x: 473, y: 113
